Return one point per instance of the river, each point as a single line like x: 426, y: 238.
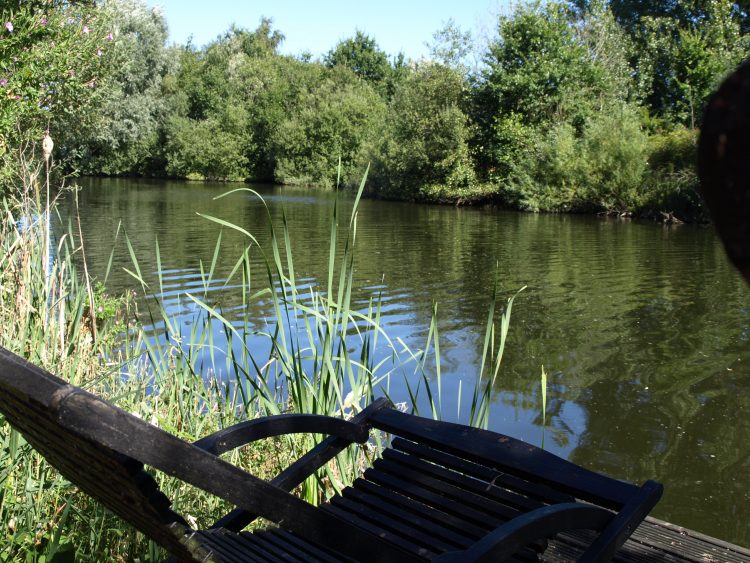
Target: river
x: 643, y: 329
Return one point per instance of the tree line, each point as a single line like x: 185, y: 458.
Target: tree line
x: 580, y: 106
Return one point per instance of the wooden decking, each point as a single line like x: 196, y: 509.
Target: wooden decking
x: 656, y: 540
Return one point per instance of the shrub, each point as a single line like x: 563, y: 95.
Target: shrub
x: 424, y: 147
x: 207, y: 149
x: 336, y: 119
x: 671, y: 184
x: 600, y: 169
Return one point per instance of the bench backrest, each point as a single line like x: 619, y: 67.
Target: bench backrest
x: 28, y: 399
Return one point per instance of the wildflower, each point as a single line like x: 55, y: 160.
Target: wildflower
x: 99, y: 52
x: 3, y: 82
x: 110, y: 37
x: 9, y: 27
x: 43, y: 23
x: 86, y: 30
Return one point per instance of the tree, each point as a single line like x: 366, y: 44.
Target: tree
x: 220, y: 92
x: 336, y: 119
x: 450, y: 46
x: 264, y: 40
x: 274, y: 90
x: 128, y: 133
x: 424, y: 151
x: 681, y: 49
x: 540, y: 70
x: 210, y: 149
x: 362, y: 55
x: 600, y: 168
x: 679, y: 63
x: 558, y: 124
x: 631, y: 13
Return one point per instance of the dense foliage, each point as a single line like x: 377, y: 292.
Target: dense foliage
x: 53, y: 61
x: 586, y: 105
x: 423, y: 151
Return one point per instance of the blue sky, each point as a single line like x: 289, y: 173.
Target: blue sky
x: 317, y: 25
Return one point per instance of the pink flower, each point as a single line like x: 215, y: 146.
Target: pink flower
x: 110, y: 37
x: 86, y: 29
x: 9, y: 27
x: 43, y: 22
x: 3, y: 82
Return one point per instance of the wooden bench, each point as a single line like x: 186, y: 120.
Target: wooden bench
x: 440, y: 491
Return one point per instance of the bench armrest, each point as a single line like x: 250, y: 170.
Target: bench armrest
x: 296, y: 473
x: 541, y: 523
x: 244, y: 433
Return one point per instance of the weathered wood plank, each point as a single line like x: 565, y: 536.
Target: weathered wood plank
x: 533, y: 490
x: 421, y: 494
x: 414, y: 519
x: 410, y: 531
x: 244, y: 433
x: 404, y: 544
x: 315, y: 553
x: 467, y: 498
x: 484, y: 488
x: 458, y: 525
x: 655, y: 541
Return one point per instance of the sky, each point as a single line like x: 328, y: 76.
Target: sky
x: 317, y: 25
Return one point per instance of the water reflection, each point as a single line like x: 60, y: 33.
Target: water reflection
x: 643, y: 329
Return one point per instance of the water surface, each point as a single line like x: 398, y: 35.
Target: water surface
x: 643, y: 329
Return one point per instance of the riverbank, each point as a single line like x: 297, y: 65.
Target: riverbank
x: 658, y: 182
x: 670, y: 198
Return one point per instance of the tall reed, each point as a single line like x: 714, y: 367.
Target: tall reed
x: 325, y: 357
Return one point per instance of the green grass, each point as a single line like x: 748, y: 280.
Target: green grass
x: 335, y: 361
